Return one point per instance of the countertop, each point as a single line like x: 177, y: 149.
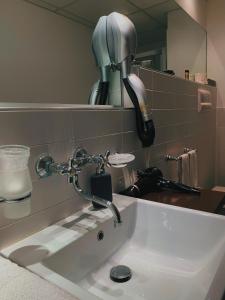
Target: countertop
x: 17, y: 283
x: 208, y: 200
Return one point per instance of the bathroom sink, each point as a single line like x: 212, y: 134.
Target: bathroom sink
x: 174, y: 253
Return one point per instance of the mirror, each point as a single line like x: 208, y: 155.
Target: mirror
x: 172, y: 41
x: 46, y: 45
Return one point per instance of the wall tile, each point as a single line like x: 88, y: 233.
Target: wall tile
x: 129, y: 120
x: 220, y: 114
x: 31, y: 224
x: 185, y: 102
x: 220, y: 156
x: 164, y: 117
x: 163, y: 134
x: 206, y: 159
x: 92, y: 123
x: 163, y: 83
x: 163, y: 100
x: 146, y: 77
x: 101, y: 144
x: 131, y: 141
x: 171, y: 84
x: 156, y: 153
x: 34, y: 128
x: 149, y: 99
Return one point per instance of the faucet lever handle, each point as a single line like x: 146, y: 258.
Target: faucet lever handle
x: 106, y: 158
x: 107, y: 153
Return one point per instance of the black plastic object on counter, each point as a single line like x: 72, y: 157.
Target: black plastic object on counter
x: 101, y: 186
x: 151, y: 180
x: 220, y: 210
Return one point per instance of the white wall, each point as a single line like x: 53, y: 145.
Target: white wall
x: 196, y: 9
x: 186, y: 44
x: 216, y: 70
x: 216, y: 46
x: 43, y: 57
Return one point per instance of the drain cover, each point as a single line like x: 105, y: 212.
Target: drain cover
x: 120, y: 273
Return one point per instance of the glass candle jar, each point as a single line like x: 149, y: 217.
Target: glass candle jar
x: 15, y: 181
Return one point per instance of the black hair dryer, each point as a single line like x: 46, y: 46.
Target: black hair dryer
x: 152, y: 180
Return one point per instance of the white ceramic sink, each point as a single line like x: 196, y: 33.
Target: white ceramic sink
x: 174, y: 253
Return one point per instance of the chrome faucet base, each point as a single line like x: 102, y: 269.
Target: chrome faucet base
x: 42, y: 166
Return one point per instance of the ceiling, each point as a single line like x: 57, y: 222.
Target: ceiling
x: 147, y: 15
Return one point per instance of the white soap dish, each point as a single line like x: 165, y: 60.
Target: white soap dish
x: 120, y: 160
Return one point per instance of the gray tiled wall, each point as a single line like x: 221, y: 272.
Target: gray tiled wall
x: 178, y: 125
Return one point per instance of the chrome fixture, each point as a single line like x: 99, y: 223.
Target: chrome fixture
x: 186, y: 150
x: 46, y: 166
x: 169, y: 157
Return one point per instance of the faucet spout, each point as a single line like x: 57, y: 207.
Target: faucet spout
x: 109, y: 205
x: 98, y: 200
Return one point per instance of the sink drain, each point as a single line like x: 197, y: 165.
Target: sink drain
x: 100, y: 235
x: 120, y: 273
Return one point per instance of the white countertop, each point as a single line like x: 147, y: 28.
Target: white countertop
x: 17, y: 283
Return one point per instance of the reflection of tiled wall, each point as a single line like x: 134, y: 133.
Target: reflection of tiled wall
x: 178, y: 125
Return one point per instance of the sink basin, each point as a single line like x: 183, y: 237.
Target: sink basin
x: 174, y: 253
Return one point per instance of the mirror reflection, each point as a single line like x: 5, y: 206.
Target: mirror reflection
x: 46, y: 45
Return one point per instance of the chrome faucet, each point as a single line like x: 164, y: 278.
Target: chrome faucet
x: 98, y: 200
x: 45, y: 166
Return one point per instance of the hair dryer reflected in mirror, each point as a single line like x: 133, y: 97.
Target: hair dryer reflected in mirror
x: 114, y: 45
